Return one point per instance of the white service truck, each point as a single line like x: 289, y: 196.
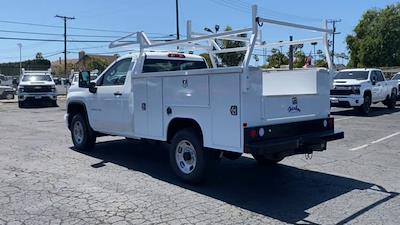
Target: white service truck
x: 360, y: 88
x: 36, y: 86
x: 205, y: 113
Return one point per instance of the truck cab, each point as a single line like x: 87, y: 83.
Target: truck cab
x: 360, y: 88
x: 35, y: 86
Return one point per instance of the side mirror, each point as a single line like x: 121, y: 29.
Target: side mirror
x: 373, y: 81
x: 84, y: 79
x: 92, y: 87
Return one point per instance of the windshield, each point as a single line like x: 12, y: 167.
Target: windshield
x: 357, y: 75
x: 396, y: 77
x: 36, y: 78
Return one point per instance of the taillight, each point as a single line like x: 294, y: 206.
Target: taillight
x: 176, y: 55
x: 253, y: 134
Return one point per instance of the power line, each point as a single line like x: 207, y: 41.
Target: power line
x: 75, y: 28
x: 57, y: 34
x: 54, y: 40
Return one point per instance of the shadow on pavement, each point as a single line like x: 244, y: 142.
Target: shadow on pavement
x: 282, y: 192
x: 375, y: 111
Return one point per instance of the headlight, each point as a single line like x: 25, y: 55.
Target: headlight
x: 21, y: 89
x: 53, y: 88
x: 356, y: 89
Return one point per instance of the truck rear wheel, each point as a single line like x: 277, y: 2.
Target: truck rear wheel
x: 188, y: 158
x: 391, y: 102
x: 266, y: 161
x: 82, y: 134
x: 365, y: 108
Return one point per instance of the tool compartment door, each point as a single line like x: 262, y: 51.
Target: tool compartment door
x: 225, y: 111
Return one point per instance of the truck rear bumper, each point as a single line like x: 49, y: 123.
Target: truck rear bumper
x: 346, y: 101
x: 292, y: 138
x: 294, y: 145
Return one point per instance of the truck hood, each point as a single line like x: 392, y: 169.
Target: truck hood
x: 347, y: 82
x: 27, y: 83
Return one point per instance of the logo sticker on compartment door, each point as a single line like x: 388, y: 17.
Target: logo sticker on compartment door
x: 294, y: 107
x: 234, y: 110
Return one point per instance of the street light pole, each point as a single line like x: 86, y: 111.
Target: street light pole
x: 20, y: 58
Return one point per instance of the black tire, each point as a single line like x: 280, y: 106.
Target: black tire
x: 193, y: 163
x: 82, y: 135
x: 391, y: 102
x: 21, y: 104
x: 266, y: 161
x: 54, y: 103
x: 365, y: 108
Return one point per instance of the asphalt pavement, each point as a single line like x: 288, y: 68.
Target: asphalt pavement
x: 44, y: 181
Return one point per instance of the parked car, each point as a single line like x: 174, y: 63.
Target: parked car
x: 360, y: 88
x: 396, y: 77
x: 7, y: 92
x: 36, y: 86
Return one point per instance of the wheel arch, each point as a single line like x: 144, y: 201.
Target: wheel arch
x: 74, y: 108
x: 367, y: 92
x: 177, y: 124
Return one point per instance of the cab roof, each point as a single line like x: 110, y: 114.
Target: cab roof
x: 165, y: 55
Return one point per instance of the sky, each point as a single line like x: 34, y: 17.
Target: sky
x: 112, y: 19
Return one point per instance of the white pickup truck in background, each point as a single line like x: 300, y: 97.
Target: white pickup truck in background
x: 360, y: 88
x: 36, y: 86
x: 204, y: 113
x: 396, y: 77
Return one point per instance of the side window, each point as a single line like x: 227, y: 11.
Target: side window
x: 116, y: 74
x: 373, y: 76
x: 379, y: 76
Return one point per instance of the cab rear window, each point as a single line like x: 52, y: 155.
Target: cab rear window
x: 163, y: 65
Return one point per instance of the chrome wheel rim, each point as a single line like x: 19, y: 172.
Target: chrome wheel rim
x: 78, y: 132
x: 185, y: 156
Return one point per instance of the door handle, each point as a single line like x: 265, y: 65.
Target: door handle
x: 144, y: 106
x: 117, y: 94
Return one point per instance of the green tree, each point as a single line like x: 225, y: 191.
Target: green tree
x: 206, y: 56
x: 376, y: 41
x: 39, y: 56
x: 231, y: 58
x: 300, y: 59
x: 96, y: 63
x: 276, y: 59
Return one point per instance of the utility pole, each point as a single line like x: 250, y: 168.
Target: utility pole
x: 177, y: 19
x: 65, y: 18
x: 20, y: 59
x: 291, y: 54
x: 333, y: 37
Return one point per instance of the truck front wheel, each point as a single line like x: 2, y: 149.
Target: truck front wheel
x: 365, y: 108
x: 188, y: 158
x: 82, y: 134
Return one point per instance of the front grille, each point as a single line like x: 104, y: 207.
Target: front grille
x: 37, y: 88
x: 342, y: 92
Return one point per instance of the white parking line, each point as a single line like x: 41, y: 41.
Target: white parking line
x: 375, y: 142
x: 359, y: 147
x: 385, y: 138
x: 346, y: 118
